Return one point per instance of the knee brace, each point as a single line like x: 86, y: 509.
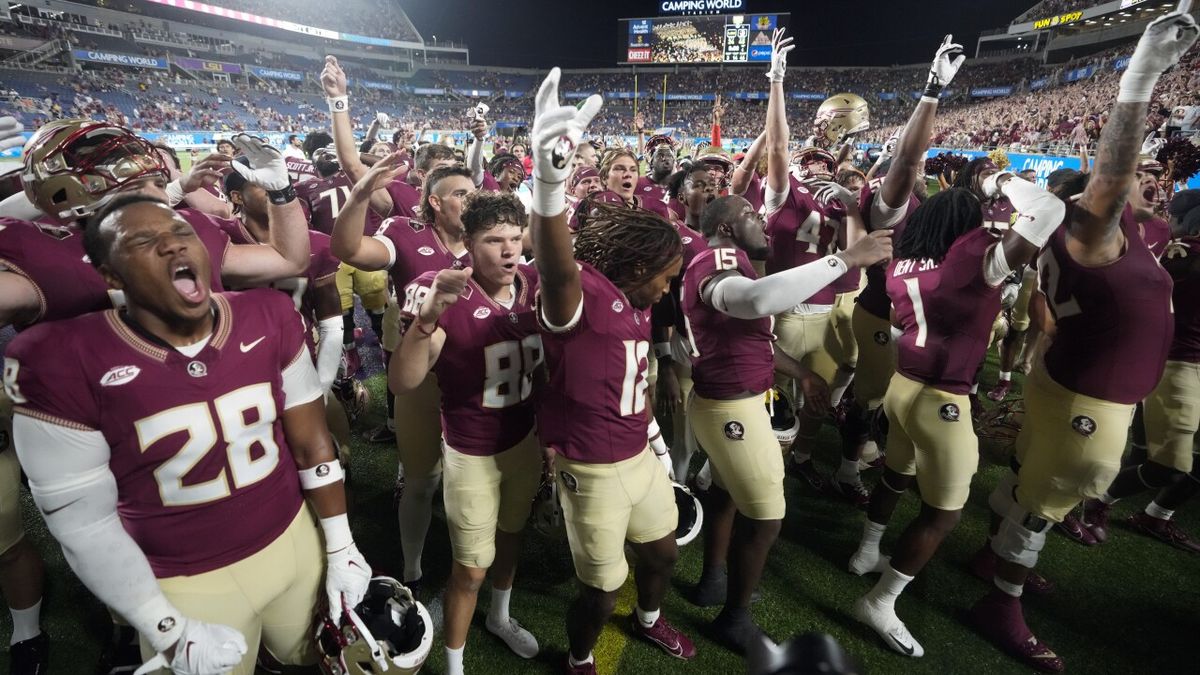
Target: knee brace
x: 1021, y: 536
x: 1001, y: 498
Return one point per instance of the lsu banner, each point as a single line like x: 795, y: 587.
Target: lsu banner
x: 207, y: 66
x: 275, y: 74
x: 114, y: 58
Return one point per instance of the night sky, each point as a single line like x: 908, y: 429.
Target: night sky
x: 583, y: 33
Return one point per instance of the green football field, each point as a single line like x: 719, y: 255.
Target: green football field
x: 1129, y: 606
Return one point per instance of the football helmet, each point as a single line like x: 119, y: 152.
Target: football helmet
x: 784, y: 422
x: 997, y: 429
x: 70, y: 166
x: 840, y: 116
x: 547, y: 514
x: 804, y: 158
x: 717, y: 160
x: 691, y: 515
x: 389, y: 631
x: 1147, y: 164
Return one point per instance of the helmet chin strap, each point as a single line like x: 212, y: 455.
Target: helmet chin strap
x: 377, y: 654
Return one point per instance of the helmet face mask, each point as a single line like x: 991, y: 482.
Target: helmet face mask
x: 71, y: 166
x: 806, y: 157
x: 784, y: 422
x: 691, y: 515
x: 389, y: 631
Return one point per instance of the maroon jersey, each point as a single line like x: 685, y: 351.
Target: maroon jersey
x: 874, y: 297
x: 594, y: 408
x: 1186, y: 298
x: 730, y: 356
x: 406, y: 199
x: 485, y: 369
x: 322, y: 265
x: 754, y: 192
x: 694, y: 244
x: 650, y: 192
x: 800, y: 231
x: 324, y: 199
x: 418, y: 250
x: 204, y: 474
x: 489, y: 183
x: 946, y: 311
x: 1156, y: 232
x: 300, y: 169
x: 998, y: 214
x: 1114, y: 322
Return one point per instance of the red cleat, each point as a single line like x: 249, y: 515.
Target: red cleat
x: 855, y: 493
x: 588, y: 668
x: 999, y: 618
x: 1000, y: 391
x: 1165, y: 531
x: 667, y: 637
x: 1075, y: 530
x: 1095, y: 519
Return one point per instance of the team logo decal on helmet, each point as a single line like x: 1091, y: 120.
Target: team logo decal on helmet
x: 569, y: 481
x: 389, y: 631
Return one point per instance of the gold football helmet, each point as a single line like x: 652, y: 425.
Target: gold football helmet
x: 840, y: 116
x: 71, y: 165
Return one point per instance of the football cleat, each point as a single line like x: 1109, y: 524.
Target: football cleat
x: 354, y: 396
x: 381, y: 435
x: 588, y: 668
x: 1095, y: 519
x: 983, y: 566
x: 667, y: 637
x: 863, y: 562
x: 1075, y: 530
x: 389, y: 631
x: 888, y: 626
x: 999, y: 618
x: 691, y: 515
x: 855, y: 493
x: 1165, y: 531
x: 1000, y: 391
x: 807, y: 471
x: 737, y: 631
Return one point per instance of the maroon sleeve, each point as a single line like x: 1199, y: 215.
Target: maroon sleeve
x: 489, y: 183
x: 39, y: 368
x: 414, y: 295
x: 324, y: 264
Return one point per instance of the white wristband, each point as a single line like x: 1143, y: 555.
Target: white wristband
x: 338, y: 104
x: 325, y: 473
x: 549, y: 199
x: 662, y: 350
x: 337, y: 532
x: 159, y: 622
x: 929, y: 99
x: 175, y: 193
x: 1136, y: 87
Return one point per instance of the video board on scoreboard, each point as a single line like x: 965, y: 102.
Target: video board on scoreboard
x: 731, y: 38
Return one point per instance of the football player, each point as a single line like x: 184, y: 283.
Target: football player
x: 803, y: 220
x: 746, y: 181
x: 213, y: 450
x: 945, y: 283
x: 619, y: 171
x: 1111, y: 301
x: 886, y: 204
x: 1172, y: 415
x: 595, y: 414
x: 729, y: 310
x: 476, y: 329
x: 408, y: 248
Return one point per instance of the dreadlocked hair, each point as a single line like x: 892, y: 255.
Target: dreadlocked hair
x: 628, y: 246
x: 937, y: 223
x: 966, y: 175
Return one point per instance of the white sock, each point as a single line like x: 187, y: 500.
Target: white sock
x: 647, y: 619
x: 454, y: 660
x: 1006, y: 376
x: 498, y: 612
x: 1108, y: 499
x: 837, y: 388
x: 573, y: 662
x: 1014, y: 590
x: 26, y: 623
x: 889, y: 587
x: 1155, y: 511
x: 872, y: 534
x: 848, y: 471
x: 974, y: 388
x: 416, y: 512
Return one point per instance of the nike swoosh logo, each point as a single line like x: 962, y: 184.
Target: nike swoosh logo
x: 907, y: 649
x: 247, y: 347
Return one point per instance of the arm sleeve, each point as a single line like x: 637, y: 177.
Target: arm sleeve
x: 329, y: 350
x: 475, y: 162
x: 1039, y: 213
x: 884, y: 216
x: 387, y: 243
x: 76, y: 493
x: 745, y: 298
x: 300, y: 382
x: 772, y: 200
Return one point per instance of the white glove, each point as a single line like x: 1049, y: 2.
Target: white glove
x: 267, y: 167
x: 203, y: 649
x: 347, y: 576
x: 10, y: 133
x: 557, y: 129
x: 665, y: 458
x: 827, y: 191
x: 383, y: 119
x: 946, y: 62
x: 1166, y: 39
x: 780, y: 46
x: 889, y: 146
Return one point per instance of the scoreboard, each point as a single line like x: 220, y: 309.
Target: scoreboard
x: 732, y: 38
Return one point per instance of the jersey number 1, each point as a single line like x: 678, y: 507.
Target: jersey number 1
x: 633, y: 387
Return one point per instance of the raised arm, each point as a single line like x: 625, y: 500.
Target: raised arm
x: 1094, y: 220
x: 475, y: 151
x: 422, y: 342
x: 1039, y: 214
x: 333, y: 81
x: 910, y: 148
x: 777, y: 127
x: 744, y: 171
x: 557, y: 129
x: 348, y: 241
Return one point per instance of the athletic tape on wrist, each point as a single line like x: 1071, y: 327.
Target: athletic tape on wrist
x: 337, y: 532
x: 338, y: 104
x: 662, y: 350
x: 175, y: 192
x: 325, y: 473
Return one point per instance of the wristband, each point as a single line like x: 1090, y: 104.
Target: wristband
x: 932, y: 90
x: 662, y: 350
x: 159, y: 621
x: 1136, y: 87
x: 337, y: 533
x: 549, y: 199
x: 338, y: 104
x: 929, y: 99
x: 285, y: 196
x: 421, y: 329
x: 325, y: 473
x: 175, y: 193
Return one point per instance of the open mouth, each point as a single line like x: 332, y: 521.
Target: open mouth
x: 1150, y: 193
x: 709, y: 198
x: 626, y: 185
x: 184, y: 279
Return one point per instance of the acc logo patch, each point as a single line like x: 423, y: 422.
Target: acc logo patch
x: 735, y: 431
x: 882, y: 338
x: 197, y: 369
x: 482, y: 313
x: 618, y: 305
x: 425, y: 250
x: 119, y: 375
x: 1084, y: 425
x: 569, y: 481
x: 949, y: 412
